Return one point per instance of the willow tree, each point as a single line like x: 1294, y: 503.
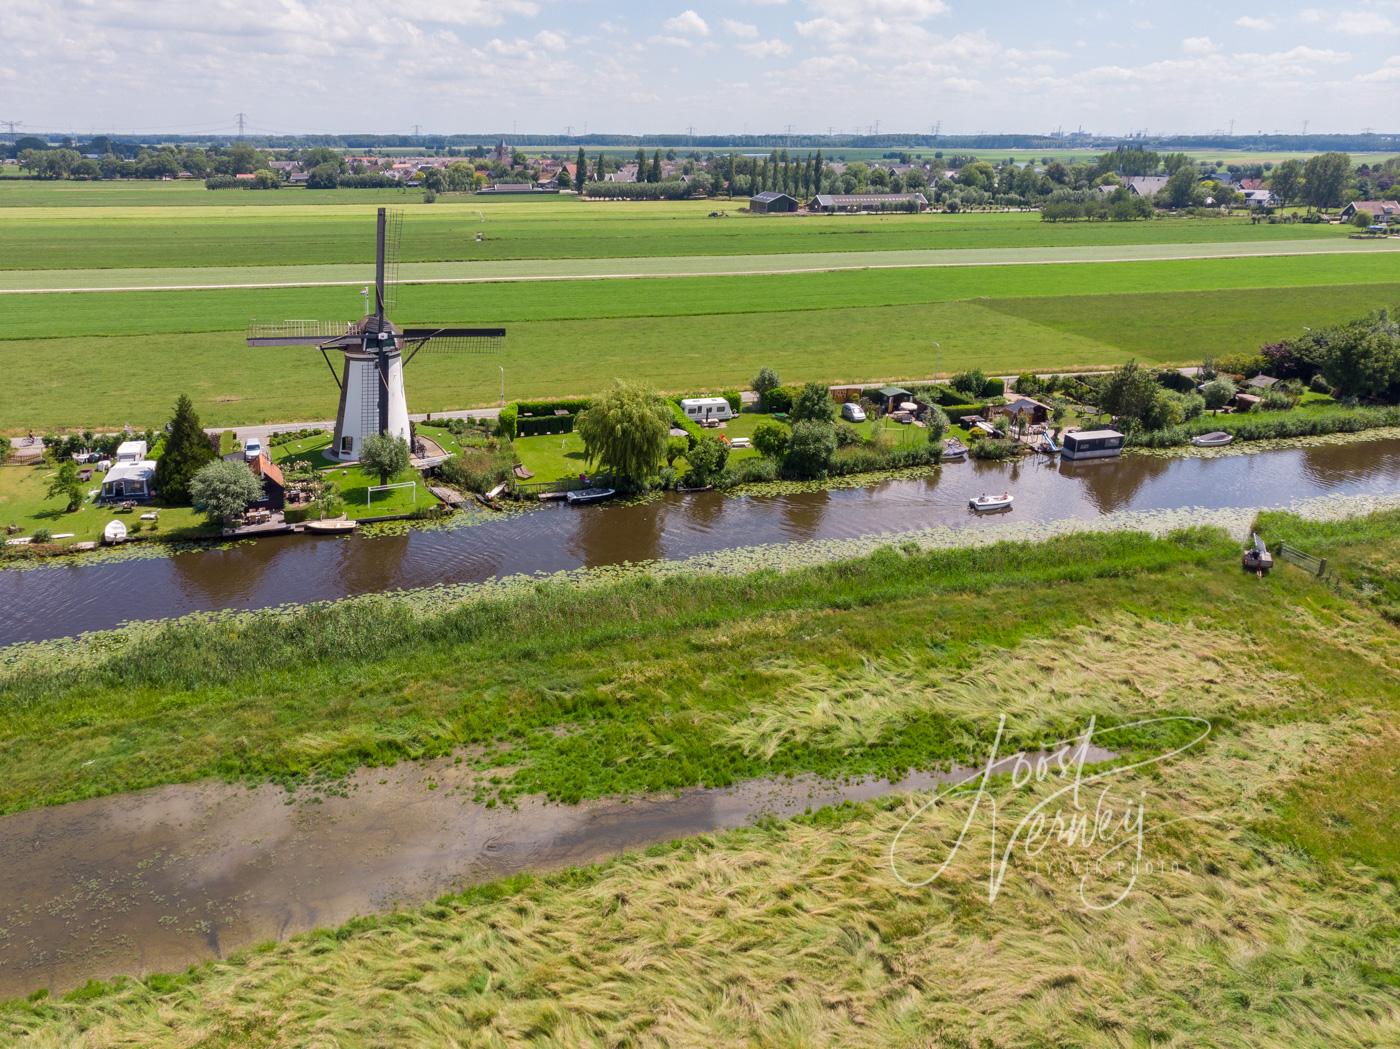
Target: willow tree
x: 624, y: 433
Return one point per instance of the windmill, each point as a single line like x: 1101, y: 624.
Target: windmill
x: 375, y: 352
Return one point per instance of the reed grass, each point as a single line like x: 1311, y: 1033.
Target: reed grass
x: 795, y: 934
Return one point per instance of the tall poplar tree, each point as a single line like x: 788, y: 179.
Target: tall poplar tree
x: 187, y: 448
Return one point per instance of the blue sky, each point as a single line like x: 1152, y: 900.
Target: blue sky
x: 715, y: 65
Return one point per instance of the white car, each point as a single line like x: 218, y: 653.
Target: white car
x: 852, y: 412
x: 252, y: 448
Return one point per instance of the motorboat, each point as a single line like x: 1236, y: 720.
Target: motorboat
x: 584, y: 496
x: 114, y: 533
x: 954, y: 451
x: 985, y: 503
x: 1213, y: 440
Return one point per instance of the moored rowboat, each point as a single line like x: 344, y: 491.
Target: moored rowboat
x: 1212, y: 440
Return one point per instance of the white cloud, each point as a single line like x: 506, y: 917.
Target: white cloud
x: 1388, y: 73
x: 687, y: 23
x: 743, y: 30
x: 1198, y: 45
x: 853, y: 10
x: 1250, y: 22
x: 1353, y: 23
x: 766, y: 49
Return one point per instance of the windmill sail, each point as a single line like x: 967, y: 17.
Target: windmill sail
x: 374, y: 351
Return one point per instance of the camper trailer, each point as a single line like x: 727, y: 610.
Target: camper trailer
x: 704, y: 410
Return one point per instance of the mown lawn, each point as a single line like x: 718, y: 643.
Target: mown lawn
x: 24, y: 501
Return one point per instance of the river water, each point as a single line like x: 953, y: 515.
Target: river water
x: 56, y: 601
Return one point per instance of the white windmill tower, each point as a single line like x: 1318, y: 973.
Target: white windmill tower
x: 372, y: 399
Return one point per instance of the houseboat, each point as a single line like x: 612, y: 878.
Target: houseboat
x: 1092, y: 444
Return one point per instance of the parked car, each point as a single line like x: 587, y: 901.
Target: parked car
x: 252, y: 448
x: 852, y: 412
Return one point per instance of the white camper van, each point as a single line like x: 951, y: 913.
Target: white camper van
x: 705, y: 409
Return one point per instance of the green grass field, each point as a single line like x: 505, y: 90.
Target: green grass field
x: 65, y: 238
x: 24, y: 501
x: 1267, y: 908
x: 77, y: 380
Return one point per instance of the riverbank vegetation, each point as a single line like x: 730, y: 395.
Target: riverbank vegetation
x: 1266, y: 844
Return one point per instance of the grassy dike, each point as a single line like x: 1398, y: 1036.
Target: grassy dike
x: 1268, y: 919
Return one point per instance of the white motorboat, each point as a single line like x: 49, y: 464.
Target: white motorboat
x: 584, y: 496
x: 1213, y: 440
x: 985, y: 503
x: 114, y: 533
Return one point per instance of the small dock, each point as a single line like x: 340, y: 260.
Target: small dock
x: 449, y: 496
x: 248, y: 531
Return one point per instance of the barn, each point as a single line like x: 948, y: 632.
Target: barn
x: 772, y: 202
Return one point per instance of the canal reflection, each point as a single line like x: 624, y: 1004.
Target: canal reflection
x: 55, y: 601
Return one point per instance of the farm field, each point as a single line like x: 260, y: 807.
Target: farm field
x: 553, y: 228
x: 677, y: 352
x: 1267, y: 908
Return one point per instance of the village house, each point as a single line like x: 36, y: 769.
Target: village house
x: 1147, y: 186
x: 1381, y: 211
x: 132, y: 481
x: 274, y: 484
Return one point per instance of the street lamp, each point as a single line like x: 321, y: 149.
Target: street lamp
x: 503, y: 384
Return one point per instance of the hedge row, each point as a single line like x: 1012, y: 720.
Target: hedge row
x: 534, y: 425
x: 692, y: 430
x: 1259, y: 426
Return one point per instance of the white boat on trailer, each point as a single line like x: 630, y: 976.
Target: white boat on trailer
x: 1213, y: 440
x: 985, y: 503
x: 584, y: 496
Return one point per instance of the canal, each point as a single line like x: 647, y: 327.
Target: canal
x: 55, y: 601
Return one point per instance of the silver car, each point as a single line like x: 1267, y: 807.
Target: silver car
x: 852, y: 412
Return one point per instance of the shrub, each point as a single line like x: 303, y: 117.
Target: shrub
x: 479, y: 469
x: 40, y: 536
x: 1030, y: 384
x: 994, y: 448
x: 937, y: 422
x: 749, y: 471
x: 1276, y: 400
x: 994, y: 387
x: 735, y: 399
x: 676, y: 447
x: 847, y: 435
x: 707, y: 460
x: 1193, y: 405
x: 780, y: 398
x: 814, y: 403
x: 506, y: 422
x: 1319, y: 384
x: 771, y: 439
x: 763, y: 383
x: 810, y: 449
x: 1218, y: 392
x: 1174, y: 380
x: 1242, y: 364
x: 970, y: 383
x: 684, y: 422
